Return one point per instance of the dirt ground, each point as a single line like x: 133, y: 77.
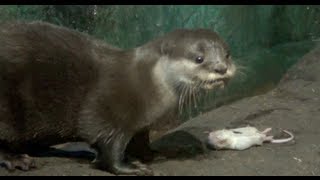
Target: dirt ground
x: 294, y: 105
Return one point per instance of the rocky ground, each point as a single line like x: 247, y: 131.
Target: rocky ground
x: 294, y: 105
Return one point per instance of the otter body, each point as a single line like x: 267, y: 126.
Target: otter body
x: 58, y: 85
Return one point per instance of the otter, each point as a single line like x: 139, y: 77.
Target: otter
x: 60, y: 85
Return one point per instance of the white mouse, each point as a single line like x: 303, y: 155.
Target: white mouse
x: 242, y: 138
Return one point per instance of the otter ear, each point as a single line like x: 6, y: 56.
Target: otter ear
x: 167, y: 47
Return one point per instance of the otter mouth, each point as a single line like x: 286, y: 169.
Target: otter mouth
x: 210, y: 84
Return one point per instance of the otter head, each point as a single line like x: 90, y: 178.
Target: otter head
x: 197, y: 58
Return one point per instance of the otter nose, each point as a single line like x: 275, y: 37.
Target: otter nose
x: 220, y: 68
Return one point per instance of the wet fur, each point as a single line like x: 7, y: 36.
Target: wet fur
x: 59, y: 85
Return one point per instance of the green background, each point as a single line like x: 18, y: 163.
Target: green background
x: 264, y: 39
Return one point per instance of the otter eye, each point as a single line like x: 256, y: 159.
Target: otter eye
x: 199, y: 59
x: 228, y: 56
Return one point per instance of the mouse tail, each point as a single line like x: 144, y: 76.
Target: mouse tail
x: 284, y: 140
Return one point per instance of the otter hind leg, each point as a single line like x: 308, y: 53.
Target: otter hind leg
x: 111, y: 157
x: 9, y: 132
x: 20, y: 161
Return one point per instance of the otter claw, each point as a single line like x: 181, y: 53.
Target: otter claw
x: 137, y: 169
x: 144, y: 169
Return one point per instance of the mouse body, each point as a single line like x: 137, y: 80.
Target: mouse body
x: 242, y: 138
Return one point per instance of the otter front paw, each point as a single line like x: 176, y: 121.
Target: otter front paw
x: 111, y: 157
x: 135, y: 168
x: 143, y: 167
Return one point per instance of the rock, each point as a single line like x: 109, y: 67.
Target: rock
x: 286, y: 107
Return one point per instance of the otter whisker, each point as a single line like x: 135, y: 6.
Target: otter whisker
x: 206, y: 91
x: 183, y: 96
x: 180, y: 89
x: 194, y: 97
x: 241, y: 70
x: 190, y: 99
x: 179, y: 105
x: 198, y: 93
x: 181, y: 99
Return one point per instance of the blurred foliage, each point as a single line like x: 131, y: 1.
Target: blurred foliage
x: 265, y: 39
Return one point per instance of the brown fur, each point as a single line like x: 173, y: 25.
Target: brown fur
x: 59, y: 85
